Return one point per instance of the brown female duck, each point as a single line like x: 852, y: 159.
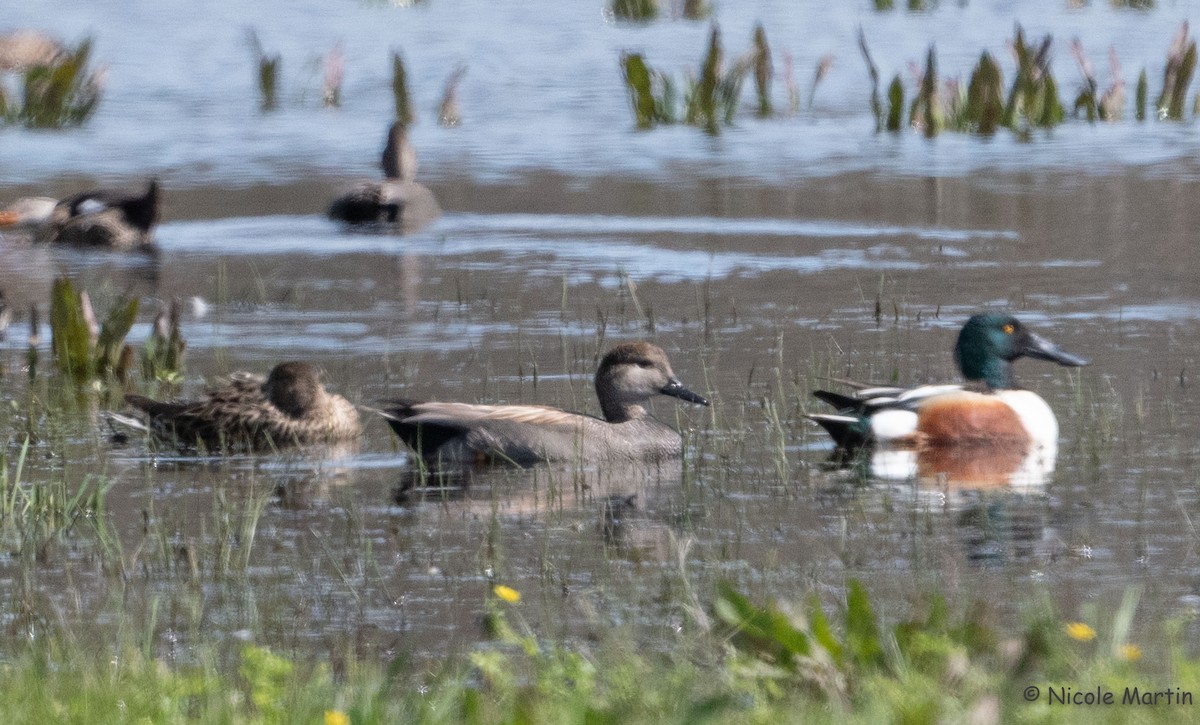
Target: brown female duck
x: 289, y: 407
x: 398, y: 200
x: 628, y: 376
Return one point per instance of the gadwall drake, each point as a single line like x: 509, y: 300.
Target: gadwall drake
x: 288, y: 407
x: 398, y: 200
x: 99, y: 218
x: 628, y: 376
x: 988, y: 409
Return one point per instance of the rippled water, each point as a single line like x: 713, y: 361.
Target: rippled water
x: 779, y: 254
x: 544, y: 89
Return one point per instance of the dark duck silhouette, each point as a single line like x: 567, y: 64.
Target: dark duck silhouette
x: 397, y: 201
x: 115, y: 219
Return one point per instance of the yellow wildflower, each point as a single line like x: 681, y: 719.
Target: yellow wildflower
x: 1130, y: 652
x: 508, y: 594
x: 336, y: 717
x: 1080, y: 631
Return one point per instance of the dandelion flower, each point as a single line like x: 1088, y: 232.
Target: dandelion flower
x: 1130, y: 652
x: 1080, y: 631
x: 508, y: 594
x: 336, y: 717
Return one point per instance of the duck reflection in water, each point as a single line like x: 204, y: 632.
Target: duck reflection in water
x: 632, y: 509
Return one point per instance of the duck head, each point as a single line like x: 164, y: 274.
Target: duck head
x: 989, y: 343
x: 632, y: 373
x: 295, y: 388
x: 28, y: 213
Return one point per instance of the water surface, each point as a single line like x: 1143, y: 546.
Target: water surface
x: 765, y: 260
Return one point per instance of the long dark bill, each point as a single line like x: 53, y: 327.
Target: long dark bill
x: 676, y: 390
x: 1036, y: 346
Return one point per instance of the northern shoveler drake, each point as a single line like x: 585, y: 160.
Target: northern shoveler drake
x: 110, y: 218
x: 628, y: 376
x: 988, y: 409
x: 398, y: 200
x: 288, y: 407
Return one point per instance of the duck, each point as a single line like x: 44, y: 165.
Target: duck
x: 398, y: 200
x: 27, y: 216
x: 628, y: 376
x: 989, y: 409
x: 116, y: 219
x: 288, y: 407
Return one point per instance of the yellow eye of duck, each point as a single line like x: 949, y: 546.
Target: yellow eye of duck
x: 1009, y: 328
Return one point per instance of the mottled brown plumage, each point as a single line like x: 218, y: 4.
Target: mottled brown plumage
x: 289, y: 407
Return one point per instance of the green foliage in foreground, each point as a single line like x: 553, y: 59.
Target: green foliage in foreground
x: 61, y: 94
x: 84, y: 349
x: 87, y: 350
x: 750, y: 663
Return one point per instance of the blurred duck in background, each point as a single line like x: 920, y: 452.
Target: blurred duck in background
x: 110, y: 218
x: 398, y: 201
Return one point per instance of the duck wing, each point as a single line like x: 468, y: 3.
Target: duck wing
x: 238, y: 412
x: 522, y: 434
x: 138, y: 210
x: 875, y: 412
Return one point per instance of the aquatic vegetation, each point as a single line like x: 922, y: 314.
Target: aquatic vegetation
x: 914, y: 6
x: 708, y: 102
x: 895, y: 114
x: 268, y: 73
x: 873, y: 72
x: 984, y: 103
x: 162, y: 357
x: 1031, y: 102
x: 1177, y: 76
x: 60, y: 94
x: 696, y: 9
x: 1139, y: 109
x: 823, y: 66
x: 742, y: 662
x: 648, y: 10
x: 652, y: 94
x: 700, y: 100
x: 635, y: 9
x: 449, y: 113
x: 335, y: 73
x: 37, y: 513
x: 84, y: 349
x: 926, y: 112
x: 763, y: 71
x: 400, y: 94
